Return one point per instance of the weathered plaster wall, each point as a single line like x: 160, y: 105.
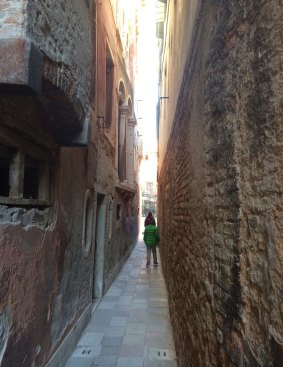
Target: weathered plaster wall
x: 177, y: 43
x: 124, y: 234
x: 47, y: 280
x: 45, y: 277
x: 107, y: 38
x: 62, y: 31
x: 220, y: 189
x: 74, y: 288
x: 124, y: 231
x: 12, y: 16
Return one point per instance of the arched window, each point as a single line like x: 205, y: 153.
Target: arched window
x: 122, y: 118
x: 130, y: 107
x: 122, y: 94
x: 109, y: 80
x: 87, y: 232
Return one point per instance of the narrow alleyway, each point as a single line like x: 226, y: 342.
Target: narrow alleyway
x: 130, y: 327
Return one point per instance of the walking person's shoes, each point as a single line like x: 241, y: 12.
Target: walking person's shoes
x: 155, y: 263
x: 148, y: 264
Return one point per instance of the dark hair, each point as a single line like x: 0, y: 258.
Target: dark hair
x: 149, y: 220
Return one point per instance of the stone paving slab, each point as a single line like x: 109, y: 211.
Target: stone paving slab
x: 87, y: 351
x: 134, y: 339
x: 132, y: 351
x: 107, y: 305
x: 136, y: 328
x: 118, y: 320
x: 105, y: 361
x: 130, y: 362
x: 130, y: 327
x: 80, y: 362
x: 91, y: 338
x: 109, y: 351
x: 151, y: 363
x: 115, y: 331
x: 114, y: 292
x: 160, y: 341
x: 112, y: 341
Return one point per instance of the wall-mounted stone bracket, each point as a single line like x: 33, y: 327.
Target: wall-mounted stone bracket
x: 126, y: 190
x: 25, y: 70
x: 20, y: 64
x: 72, y: 138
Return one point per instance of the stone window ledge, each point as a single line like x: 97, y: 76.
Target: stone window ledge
x: 24, y: 202
x: 127, y: 190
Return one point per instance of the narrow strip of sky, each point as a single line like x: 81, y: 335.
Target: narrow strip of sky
x: 147, y: 76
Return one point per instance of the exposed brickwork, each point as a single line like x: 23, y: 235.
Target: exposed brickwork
x: 61, y: 30
x: 220, y: 190
x: 61, y: 33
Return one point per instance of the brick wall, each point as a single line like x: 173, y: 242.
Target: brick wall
x: 62, y: 32
x: 220, y: 190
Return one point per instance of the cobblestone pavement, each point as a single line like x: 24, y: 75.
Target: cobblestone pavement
x: 130, y: 327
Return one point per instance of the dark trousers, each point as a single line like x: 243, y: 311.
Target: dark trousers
x: 153, y: 250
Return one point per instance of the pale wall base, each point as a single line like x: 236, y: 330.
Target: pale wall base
x: 63, y: 353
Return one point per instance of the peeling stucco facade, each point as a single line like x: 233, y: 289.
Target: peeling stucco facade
x: 60, y: 190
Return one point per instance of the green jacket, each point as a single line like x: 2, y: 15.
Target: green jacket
x: 151, y: 235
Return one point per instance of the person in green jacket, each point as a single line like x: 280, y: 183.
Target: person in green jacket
x: 151, y: 239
